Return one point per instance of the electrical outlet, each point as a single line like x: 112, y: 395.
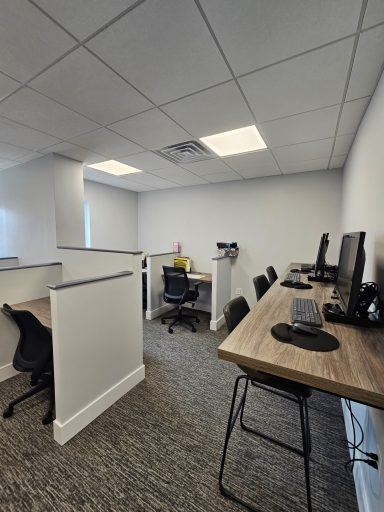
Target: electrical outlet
x: 239, y: 291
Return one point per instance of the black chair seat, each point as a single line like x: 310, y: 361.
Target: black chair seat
x: 288, y: 386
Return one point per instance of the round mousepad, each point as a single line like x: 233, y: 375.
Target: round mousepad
x: 298, y: 286
x: 320, y: 342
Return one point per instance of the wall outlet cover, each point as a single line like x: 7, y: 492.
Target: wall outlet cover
x: 239, y: 291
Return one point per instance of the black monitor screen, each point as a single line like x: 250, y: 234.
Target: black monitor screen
x: 351, y: 267
x: 320, y: 260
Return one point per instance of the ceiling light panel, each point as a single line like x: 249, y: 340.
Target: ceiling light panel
x: 114, y: 167
x: 234, y: 142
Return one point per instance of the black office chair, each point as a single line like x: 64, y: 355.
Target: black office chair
x: 33, y: 354
x: 272, y: 276
x: 261, y: 285
x: 234, y: 312
x: 176, y: 291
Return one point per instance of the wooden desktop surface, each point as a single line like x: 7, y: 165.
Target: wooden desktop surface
x: 206, y: 278
x: 354, y: 371
x: 41, y: 308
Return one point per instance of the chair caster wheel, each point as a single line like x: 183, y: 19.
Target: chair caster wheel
x: 197, y: 320
x: 8, y: 412
x: 47, y: 419
x: 193, y: 329
x: 170, y: 331
x: 162, y: 321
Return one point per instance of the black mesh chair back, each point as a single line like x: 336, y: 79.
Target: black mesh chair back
x: 272, y: 276
x: 176, y: 285
x: 34, y: 354
x: 35, y: 341
x: 235, y: 311
x: 261, y: 285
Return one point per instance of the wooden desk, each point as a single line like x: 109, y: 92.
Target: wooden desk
x: 205, y: 278
x: 41, y: 308
x: 353, y: 371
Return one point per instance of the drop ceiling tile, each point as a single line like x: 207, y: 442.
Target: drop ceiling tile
x: 75, y: 152
x: 343, y: 144
x: 147, y: 161
x: 29, y: 40
x: 259, y: 172
x: 216, y: 110
x: 257, y: 160
x: 7, y: 85
x: 171, y: 52
x: 337, y: 161
x: 213, y: 166
x: 374, y: 13
x: 149, y: 180
x: 368, y: 63
x: 32, y: 155
x: 5, y: 164
x: 105, y: 142
x: 220, y: 177
x: 11, y: 152
x: 19, y: 135
x: 179, y: 176
x: 84, y: 84
x: 114, y: 181
x: 351, y: 116
x: 305, y: 165
x: 85, y: 17
x: 151, y: 129
x: 255, y: 34
x: 319, y: 124
x: 305, y: 151
x: 32, y: 109
x: 298, y: 85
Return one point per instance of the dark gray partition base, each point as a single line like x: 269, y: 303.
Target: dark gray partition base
x: 88, y: 280
x: 18, y: 267
x: 96, y: 250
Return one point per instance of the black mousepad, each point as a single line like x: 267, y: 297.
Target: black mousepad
x: 320, y: 342
x: 302, y: 286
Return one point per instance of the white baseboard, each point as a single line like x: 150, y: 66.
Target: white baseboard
x: 215, y: 325
x: 154, y: 313
x: 7, y: 371
x: 64, y: 432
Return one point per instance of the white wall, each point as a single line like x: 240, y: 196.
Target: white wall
x: 113, y: 216
x: 69, y: 197
x: 274, y: 220
x: 27, y: 212
x: 363, y: 210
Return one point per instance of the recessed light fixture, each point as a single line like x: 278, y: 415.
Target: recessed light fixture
x: 234, y: 142
x: 114, y: 167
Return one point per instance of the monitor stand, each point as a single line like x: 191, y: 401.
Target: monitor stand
x: 334, y: 313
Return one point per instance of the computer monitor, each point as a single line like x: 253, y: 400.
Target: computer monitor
x: 320, y: 260
x: 351, y: 268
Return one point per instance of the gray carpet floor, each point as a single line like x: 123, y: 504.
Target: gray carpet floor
x: 159, y: 447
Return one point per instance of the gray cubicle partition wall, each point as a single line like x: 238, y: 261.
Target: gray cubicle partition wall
x: 155, y: 284
x: 221, y: 289
x: 9, y: 261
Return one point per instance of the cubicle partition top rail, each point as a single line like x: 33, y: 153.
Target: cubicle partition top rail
x: 97, y: 249
x: 33, y: 265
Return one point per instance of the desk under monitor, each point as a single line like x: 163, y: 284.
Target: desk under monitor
x: 354, y: 371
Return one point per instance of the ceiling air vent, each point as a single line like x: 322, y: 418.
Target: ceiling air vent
x: 185, y: 152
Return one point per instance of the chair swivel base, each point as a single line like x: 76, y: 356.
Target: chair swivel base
x: 48, y: 417
x: 181, y: 319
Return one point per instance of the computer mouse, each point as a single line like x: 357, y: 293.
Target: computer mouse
x: 302, y: 286
x: 304, y: 329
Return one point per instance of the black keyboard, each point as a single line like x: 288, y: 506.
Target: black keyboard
x: 305, y: 311
x: 292, y: 277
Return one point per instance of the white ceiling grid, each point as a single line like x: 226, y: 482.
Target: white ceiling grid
x: 96, y: 80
